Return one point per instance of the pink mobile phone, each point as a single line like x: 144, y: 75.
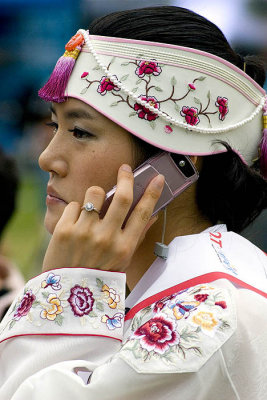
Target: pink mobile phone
x: 179, y: 173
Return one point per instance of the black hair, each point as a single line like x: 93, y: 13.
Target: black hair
x: 227, y: 191
x: 9, y: 181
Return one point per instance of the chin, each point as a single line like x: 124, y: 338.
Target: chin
x: 50, y: 222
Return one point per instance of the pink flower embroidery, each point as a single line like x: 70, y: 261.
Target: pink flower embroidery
x: 222, y: 103
x: 25, y: 305
x: 190, y: 114
x: 157, y: 334
x: 201, y: 297
x: 84, y: 75
x: 221, y: 304
x: 168, y: 129
x: 147, y: 68
x: 81, y: 300
x: 144, y: 112
x: 192, y: 86
x: 106, y: 85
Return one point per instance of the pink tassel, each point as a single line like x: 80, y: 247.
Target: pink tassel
x: 54, y: 89
x: 263, y: 144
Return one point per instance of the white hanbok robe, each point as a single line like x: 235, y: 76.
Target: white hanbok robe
x: 196, y: 329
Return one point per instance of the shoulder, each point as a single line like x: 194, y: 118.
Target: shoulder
x: 180, y: 332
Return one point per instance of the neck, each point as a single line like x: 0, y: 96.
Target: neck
x: 183, y: 218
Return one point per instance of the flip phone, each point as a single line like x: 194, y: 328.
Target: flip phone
x: 179, y: 173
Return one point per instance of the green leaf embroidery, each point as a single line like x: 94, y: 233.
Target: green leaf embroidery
x: 173, y: 81
x: 92, y: 314
x: 99, y: 283
x: 208, y: 94
x: 99, y: 306
x: 59, y: 319
x: 112, y: 60
x: 152, y: 124
x: 12, y: 323
x: 158, y: 89
x: 125, y: 63
x: 132, y: 114
x: 114, y: 104
x: 138, y: 81
x: 96, y: 68
x: 134, y: 89
x: 201, y: 78
x: 177, y: 108
x: 197, y: 100
x: 45, y: 294
x: 84, y: 90
x: 35, y: 303
x: 124, y: 77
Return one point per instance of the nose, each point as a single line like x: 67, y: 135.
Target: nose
x: 53, y: 158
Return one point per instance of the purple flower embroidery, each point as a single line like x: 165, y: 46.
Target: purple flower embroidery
x: 190, y: 114
x: 25, y: 305
x: 147, y: 68
x: 168, y: 129
x: 105, y: 85
x: 145, y: 113
x: 157, y: 334
x: 222, y: 103
x: 81, y: 300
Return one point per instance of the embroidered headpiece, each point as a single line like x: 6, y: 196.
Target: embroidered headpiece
x: 179, y: 99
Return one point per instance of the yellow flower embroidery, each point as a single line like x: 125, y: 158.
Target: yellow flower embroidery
x: 53, y: 310
x: 205, y: 320
x: 112, y: 297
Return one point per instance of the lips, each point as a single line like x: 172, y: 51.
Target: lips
x: 52, y: 194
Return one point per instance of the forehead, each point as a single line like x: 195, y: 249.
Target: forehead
x: 76, y: 109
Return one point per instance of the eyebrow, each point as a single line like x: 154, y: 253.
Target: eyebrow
x: 74, y: 114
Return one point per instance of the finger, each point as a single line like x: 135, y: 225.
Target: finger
x: 70, y: 214
x: 123, y: 197
x: 96, y: 196
x: 148, y: 226
x: 143, y: 210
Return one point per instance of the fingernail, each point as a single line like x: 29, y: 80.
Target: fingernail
x: 126, y: 167
x: 158, y: 182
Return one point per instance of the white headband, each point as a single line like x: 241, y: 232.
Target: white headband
x: 176, y: 98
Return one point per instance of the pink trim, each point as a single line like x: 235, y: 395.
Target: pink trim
x: 59, y: 334
x: 150, y: 141
x: 193, y: 69
x: 188, y: 49
x: 94, y: 269
x: 205, y: 278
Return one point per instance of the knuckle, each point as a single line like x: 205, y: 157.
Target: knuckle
x: 144, y: 214
x: 63, y: 233
x: 96, y: 191
x: 124, y: 199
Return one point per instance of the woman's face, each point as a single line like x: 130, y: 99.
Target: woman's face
x: 87, y: 150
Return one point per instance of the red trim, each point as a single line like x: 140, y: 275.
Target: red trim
x: 206, y: 278
x: 59, y: 334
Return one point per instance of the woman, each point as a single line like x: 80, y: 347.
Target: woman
x: 194, y: 327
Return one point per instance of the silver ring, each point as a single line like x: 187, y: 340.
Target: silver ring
x: 90, y: 207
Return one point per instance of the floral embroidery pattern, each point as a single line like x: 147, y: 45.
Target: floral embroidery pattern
x: 106, y: 85
x: 222, y: 103
x: 25, y: 305
x: 113, y: 322
x: 191, y: 115
x: 157, y: 334
x: 177, y: 325
x: 145, y: 113
x: 53, y: 281
x: 147, y: 68
x: 54, y: 308
x: 81, y: 300
x: 112, y: 297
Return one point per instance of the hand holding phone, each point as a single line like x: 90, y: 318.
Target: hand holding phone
x: 178, y: 170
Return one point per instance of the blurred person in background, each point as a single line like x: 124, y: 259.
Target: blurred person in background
x: 144, y: 81
x: 11, y: 280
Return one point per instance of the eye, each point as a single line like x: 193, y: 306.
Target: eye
x: 53, y: 125
x: 81, y: 134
